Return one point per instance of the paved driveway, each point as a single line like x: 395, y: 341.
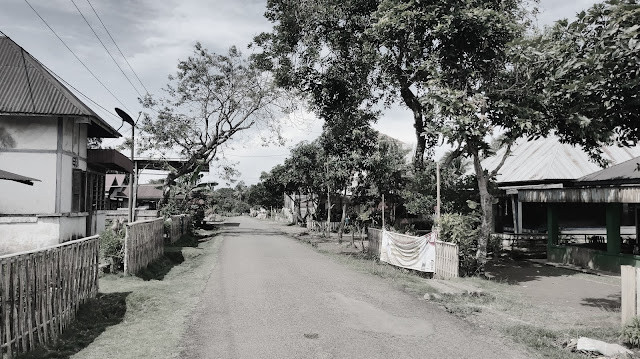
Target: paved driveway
x: 270, y: 296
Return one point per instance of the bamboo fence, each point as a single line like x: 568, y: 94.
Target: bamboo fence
x: 143, y: 244
x: 42, y: 290
x: 447, y: 260
x: 180, y: 224
x: 320, y: 226
x: 375, y: 239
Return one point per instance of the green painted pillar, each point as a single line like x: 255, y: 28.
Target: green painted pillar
x: 614, y: 212
x: 553, y: 230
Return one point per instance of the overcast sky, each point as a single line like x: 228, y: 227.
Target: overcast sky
x: 154, y: 35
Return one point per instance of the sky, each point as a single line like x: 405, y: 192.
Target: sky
x: 154, y: 35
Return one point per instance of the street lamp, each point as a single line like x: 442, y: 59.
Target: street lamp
x: 126, y: 118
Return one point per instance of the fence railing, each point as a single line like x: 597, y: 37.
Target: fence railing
x: 447, y: 260
x: 180, y: 225
x: 143, y: 244
x: 375, y: 238
x: 321, y: 226
x: 40, y: 292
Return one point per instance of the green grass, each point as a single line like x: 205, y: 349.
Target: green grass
x: 140, y: 316
x: 92, y: 319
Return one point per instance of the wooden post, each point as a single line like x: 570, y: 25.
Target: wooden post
x: 135, y: 191
x: 614, y: 212
x: 383, y: 205
x: 629, y: 289
x: 552, y: 225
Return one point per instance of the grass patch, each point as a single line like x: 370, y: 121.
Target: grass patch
x: 159, y: 268
x: 541, y: 340
x: 137, y: 318
x: 92, y: 319
x: 402, y: 279
x: 188, y: 240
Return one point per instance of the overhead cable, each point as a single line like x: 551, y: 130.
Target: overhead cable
x: 117, y: 47
x: 76, y: 56
x: 105, y: 48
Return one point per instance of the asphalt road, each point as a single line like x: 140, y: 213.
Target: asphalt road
x: 270, y: 296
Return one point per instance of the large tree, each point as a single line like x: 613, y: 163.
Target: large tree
x: 464, y: 50
x: 581, y: 79
x: 209, y: 100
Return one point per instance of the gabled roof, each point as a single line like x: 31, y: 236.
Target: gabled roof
x: 546, y: 160
x: 114, y: 180
x: 627, y: 172
x: 28, y: 88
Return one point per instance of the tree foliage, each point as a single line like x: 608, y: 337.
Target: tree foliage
x: 581, y: 79
x: 209, y: 100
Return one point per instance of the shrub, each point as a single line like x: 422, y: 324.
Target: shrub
x: 631, y: 333
x: 463, y: 230
x: 112, y: 248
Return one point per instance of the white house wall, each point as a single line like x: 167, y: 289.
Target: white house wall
x: 33, y: 155
x: 22, y: 234
x: 38, y: 154
x: 18, y: 198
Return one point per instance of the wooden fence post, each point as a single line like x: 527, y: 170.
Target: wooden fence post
x: 629, y: 293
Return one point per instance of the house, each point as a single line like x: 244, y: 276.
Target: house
x: 612, y: 198
x: 115, y: 184
x: 545, y: 163
x: 45, y: 129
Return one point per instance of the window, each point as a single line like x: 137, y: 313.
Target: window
x: 78, y: 191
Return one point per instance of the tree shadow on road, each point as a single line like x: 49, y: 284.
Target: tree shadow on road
x: 516, y: 272
x: 611, y: 303
x: 93, y: 318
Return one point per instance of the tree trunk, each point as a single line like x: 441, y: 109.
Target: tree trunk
x: 486, y: 204
x: 415, y: 106
x: 298, y: 209
x: 326, y: 228
x: 343, y: 217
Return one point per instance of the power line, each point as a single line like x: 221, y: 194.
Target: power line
x: 105, y: 48
x: 76, y: 56
x: 284, y: 155
x: 117, y: 47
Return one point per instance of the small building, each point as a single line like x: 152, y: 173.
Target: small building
x: 546, y: 163
x: 45, y: 129
x: 115, y: 184
x: 612, y: 196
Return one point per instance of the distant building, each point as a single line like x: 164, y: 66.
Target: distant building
x: 44, y: 131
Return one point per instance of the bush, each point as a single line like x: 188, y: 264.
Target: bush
x: 463, y: 230
x: 631, y: 333
x: 112, y: 249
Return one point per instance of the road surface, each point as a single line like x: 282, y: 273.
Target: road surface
x: 270, y: 296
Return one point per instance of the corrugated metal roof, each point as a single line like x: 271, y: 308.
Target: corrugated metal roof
x: 146, y: 191
x: 27, y: 88
x: 625, y: 172
x: 547, y: 159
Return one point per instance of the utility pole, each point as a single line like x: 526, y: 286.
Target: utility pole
x: 438, y: 203
x: 126, y: 118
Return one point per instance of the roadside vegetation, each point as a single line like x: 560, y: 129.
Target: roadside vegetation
x: 140, y: 316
